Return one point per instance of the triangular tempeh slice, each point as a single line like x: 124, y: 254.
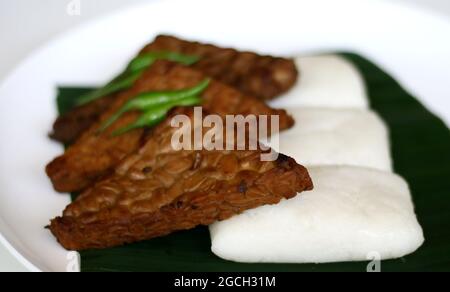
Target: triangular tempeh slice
x: 95, y: 155
x: 264, y: 77
x: 160, y: 190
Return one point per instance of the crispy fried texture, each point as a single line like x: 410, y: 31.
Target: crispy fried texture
x: 159, y: 190
x: 264, y: 77
x: 69, y: 126
x: 95, y: 154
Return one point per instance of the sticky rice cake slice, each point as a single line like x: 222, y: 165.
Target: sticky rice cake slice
x: 323, y: 136
x: 328, y: 81
x: 353, y: 214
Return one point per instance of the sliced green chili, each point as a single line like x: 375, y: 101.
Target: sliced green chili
x: 145, y: 60
x: 110, y: 88
x: 148, y: 100
x: 133, y: 71
x: 157, y: 114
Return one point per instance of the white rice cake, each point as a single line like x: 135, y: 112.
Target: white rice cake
x: 326, y: 81
x: 351, y: 214
x: 336, y: 137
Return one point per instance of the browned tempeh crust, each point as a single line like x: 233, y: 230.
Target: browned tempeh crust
x: 264, y: 77
x: 159, y: 190
x: 95, y: 154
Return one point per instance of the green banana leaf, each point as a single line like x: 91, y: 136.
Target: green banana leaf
x: 420, y: 147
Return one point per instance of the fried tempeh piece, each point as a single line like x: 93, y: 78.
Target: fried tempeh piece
x: 69, y: 126
x: 95, y: 155
x: 264, y: 77
x: 159, y: 190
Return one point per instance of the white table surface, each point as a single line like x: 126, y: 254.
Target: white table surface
x: 27, y: 24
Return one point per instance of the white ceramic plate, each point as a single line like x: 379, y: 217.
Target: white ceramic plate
x: 413, y: 46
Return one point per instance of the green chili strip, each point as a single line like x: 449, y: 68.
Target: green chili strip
x: 110, y: 88
x: 145, y: 60
x: 157, y: 114
x: 133, y: 71
x: 148, y: 100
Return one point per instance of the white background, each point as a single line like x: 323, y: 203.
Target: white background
x: 27, y: 24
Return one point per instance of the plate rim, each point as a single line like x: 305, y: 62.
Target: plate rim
x: 7, y: 243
